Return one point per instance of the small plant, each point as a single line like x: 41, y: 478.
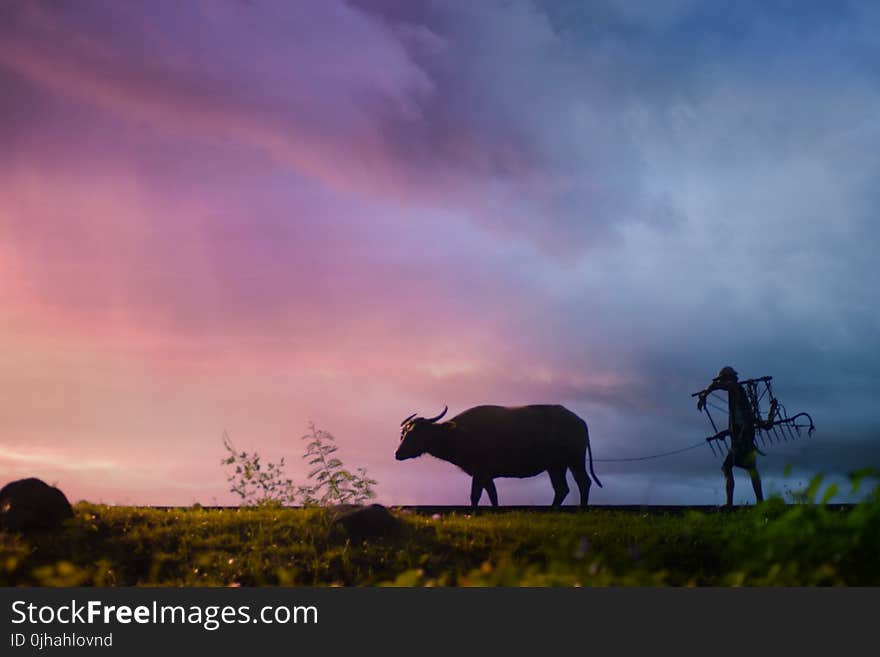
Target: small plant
x: 333, y: 483
x: 254, y: 483
x: 259, y: 484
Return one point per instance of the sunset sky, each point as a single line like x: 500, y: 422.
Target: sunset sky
x: 252, y: 215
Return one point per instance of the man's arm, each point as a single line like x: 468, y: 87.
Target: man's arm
x: 719, y: 436
x: 715, y: 385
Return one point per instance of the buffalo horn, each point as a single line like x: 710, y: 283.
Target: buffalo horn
x: 434, y: 419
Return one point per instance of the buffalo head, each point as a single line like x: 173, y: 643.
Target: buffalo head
x: 416, y: 434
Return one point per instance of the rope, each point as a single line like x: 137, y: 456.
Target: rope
x: 653, y: 456
x: 661, y: 455
x: 783, y: 423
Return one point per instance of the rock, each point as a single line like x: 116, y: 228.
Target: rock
x: 365, y: 521
x: 29, y: 504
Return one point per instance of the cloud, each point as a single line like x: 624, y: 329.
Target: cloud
x: 276, y: 90
x: 56, y: 461
x: 440, y: 108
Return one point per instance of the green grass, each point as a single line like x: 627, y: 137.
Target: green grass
x: 771, y: 544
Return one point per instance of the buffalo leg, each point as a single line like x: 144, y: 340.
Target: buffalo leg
x: 560, y: 486
x: 476, y: 492
x: 493, y: 494
x: 582, y: 479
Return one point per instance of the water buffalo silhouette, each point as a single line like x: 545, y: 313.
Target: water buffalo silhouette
x: 497, y: 441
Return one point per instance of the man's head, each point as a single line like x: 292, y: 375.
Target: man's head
x: 727, y: 373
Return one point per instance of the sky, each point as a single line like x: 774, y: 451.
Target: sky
x: 247, y: 216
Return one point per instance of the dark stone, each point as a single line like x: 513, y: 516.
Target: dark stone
x: 29, y: 504
x: 361, y: 522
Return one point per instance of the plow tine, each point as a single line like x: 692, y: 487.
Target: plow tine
x: 711, y: 420
x: 776, y: 433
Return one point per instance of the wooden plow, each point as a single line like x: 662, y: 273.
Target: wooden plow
x: 772, y: 422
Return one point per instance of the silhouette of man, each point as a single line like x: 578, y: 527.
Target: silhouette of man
x: 741, y: 429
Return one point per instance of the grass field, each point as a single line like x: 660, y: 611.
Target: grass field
x: 771, y: 544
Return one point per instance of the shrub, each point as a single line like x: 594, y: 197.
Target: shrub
x: 259, y: 484
x: 255, y: 483
x: 333, y: 483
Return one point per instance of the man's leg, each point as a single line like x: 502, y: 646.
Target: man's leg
x: 727, y: 469
x: 756, y: 484
x: 752, y: 467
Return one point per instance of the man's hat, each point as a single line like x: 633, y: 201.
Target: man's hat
x: 727, y: 374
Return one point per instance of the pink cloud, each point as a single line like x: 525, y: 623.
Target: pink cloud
x: 279, y: 90
x: 144, y: 324
x: 417, y: 113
